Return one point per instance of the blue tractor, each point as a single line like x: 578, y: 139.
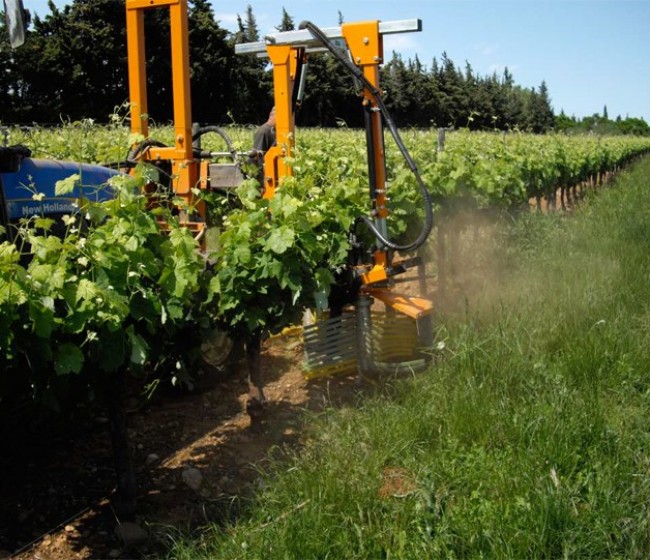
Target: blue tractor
x: 27, y: 185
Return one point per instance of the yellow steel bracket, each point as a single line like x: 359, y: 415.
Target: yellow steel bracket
x: 365, y: 42
x: 411, y: 306
x: 375, y: 274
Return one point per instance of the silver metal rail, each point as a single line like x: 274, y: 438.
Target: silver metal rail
x: 302, y: 38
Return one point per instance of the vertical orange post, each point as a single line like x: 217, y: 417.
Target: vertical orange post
x: 137, y: 69
x: 367, y: 50
x: 184, y: 169
x: 284, y: 62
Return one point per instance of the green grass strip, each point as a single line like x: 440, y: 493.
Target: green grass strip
x: 529, y: 438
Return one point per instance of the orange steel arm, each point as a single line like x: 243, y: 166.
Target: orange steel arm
x: 366, y: 46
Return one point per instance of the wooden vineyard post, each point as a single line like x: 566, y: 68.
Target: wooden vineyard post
x: 441, y: 256
x: 441, y: 262
x: 441, y: 139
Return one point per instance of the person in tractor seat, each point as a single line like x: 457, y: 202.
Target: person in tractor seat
x: 263, y: 140
x: 265, y: 135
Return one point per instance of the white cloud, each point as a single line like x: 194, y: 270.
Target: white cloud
x: 401, y: 44
x: 227, y: 20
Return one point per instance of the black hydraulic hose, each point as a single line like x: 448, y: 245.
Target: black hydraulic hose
x: 138, y: 149
x: 376, y: 94
x: 218, y: 130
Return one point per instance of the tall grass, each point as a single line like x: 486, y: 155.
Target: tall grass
x: 530, y: 438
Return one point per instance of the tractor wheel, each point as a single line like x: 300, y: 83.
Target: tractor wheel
x: 220, y: 356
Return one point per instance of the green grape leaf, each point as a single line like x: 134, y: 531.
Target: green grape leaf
x: 280, y: 240
x: 139, y: 347
x: 67, y: 185
x: 68, y: 358
x: 86, y: 290
x: 44, y: 223
x: 42, y: 316
x: 242, y: 254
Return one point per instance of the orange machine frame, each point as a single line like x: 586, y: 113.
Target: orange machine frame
x: 365, y: 43
x: 185, y: 169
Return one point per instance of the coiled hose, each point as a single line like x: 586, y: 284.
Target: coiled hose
x: 217, y: 130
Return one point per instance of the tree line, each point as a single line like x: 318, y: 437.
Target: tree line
x: 73, y: 65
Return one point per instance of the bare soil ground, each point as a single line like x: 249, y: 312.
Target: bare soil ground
x: 196, y: 459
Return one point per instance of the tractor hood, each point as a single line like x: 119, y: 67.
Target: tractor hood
x: 30, y: 190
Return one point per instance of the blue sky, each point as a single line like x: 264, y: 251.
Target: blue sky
x: 591, y: 53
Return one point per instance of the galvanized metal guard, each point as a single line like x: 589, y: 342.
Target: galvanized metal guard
x: 367, y: 342
x: 331, y: 346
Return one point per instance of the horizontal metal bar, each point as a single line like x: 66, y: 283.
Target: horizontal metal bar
x: 303, y: 38
x: 146, y: 4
